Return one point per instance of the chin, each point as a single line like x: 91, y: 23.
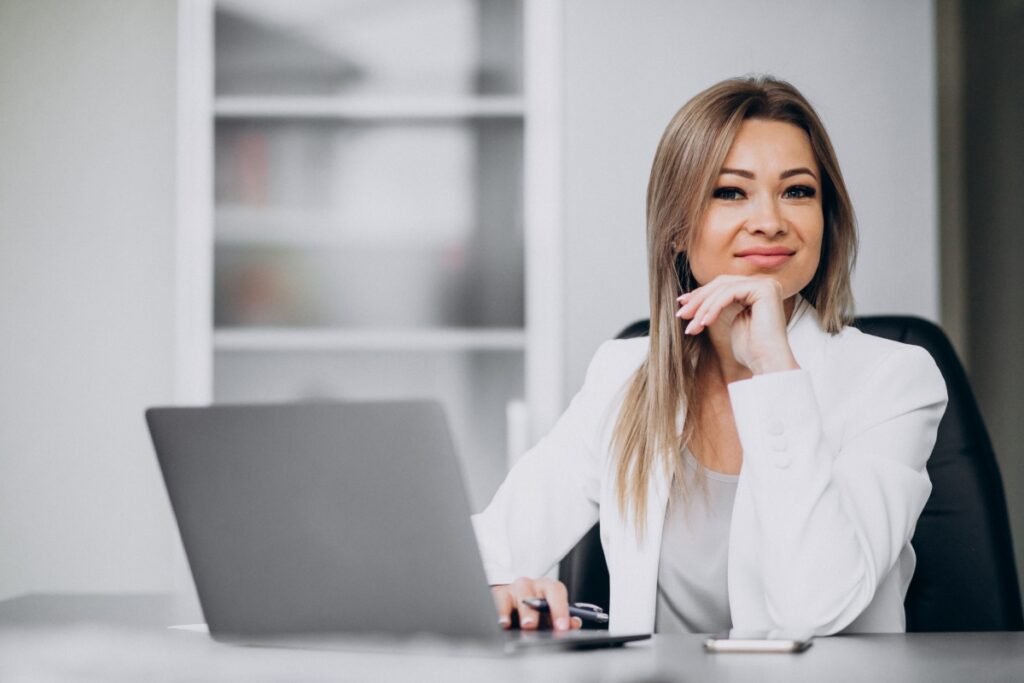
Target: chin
x: 789, y: 288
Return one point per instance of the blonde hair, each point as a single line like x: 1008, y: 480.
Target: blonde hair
x: 683, y: 176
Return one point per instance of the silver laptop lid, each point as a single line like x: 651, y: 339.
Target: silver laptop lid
x: 346, y: 518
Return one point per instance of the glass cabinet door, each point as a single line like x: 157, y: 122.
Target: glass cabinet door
x: 368, y: 221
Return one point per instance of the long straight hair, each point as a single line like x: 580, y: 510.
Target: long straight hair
x: 686, y: 165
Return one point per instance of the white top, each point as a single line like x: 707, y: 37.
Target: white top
x: 693, y: 586
x: 832, y: 484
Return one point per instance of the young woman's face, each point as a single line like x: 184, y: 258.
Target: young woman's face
x: 765, y: 217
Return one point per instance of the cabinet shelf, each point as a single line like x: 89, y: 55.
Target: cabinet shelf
x: 238, y: 225
x: 272, y: 339
x: 369, y: 108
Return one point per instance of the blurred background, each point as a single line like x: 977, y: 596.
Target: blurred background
x: 250, y: 200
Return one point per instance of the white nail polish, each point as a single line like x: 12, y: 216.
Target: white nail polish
x: 528, y: 621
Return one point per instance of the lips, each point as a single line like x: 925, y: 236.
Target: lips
x: 766, y: 257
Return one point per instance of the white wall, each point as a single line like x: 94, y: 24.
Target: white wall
x: 86, y: 235
x: 86, y: 225
x: 867, y: 66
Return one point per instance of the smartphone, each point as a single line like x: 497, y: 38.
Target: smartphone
x: 758, y: 641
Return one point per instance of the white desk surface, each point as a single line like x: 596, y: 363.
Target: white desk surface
x: 118, y: 638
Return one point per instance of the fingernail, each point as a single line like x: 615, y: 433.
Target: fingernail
x: 704, y: 320
x: 504, y: 621
x: 577, y: 622
x: 690, y: 327
x: 561, y: 624
x: 527, y: 621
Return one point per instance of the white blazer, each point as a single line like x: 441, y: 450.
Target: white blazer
x: 832, y: 483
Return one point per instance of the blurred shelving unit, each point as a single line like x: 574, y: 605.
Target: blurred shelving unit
x: 369, y: 108
x: 368, y: 208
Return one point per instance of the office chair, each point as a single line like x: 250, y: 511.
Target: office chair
x: 966, y: 578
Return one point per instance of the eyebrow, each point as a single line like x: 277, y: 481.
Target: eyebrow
x: 782, y: 176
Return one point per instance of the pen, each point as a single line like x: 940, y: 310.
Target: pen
x: 583, y: 610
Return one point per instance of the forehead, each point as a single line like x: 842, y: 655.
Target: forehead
x: 770, y: 145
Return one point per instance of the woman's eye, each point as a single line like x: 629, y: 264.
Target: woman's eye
x: 728, y: 193
x: 800, y: 192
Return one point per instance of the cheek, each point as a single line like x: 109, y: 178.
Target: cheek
x: 710, y: 254
x: 704, y: 264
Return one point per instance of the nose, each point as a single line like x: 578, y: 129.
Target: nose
x: 766, y: 218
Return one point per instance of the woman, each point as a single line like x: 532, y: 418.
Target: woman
x: 754, y: 463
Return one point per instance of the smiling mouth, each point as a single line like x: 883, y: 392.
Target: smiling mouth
x: 771, y: 257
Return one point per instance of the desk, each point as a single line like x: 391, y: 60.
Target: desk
x: 123, y: 638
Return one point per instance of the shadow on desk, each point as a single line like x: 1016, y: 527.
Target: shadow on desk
x: 142, y: 611
x: 124, y: 638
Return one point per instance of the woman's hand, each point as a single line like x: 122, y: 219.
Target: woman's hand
x: 509, y: 598
x: 750, y: 313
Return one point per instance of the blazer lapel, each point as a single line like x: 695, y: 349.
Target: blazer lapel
x: 806, y: 338
x: 634, y: 579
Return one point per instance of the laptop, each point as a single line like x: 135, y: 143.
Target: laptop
x: 319, y: 523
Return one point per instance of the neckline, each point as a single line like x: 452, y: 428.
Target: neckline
x: 692, y: 462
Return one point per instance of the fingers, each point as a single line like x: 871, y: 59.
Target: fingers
x: 711, y: 309
x: 521, y: 589
x: 704, y: 305
x: 692, y: 302
x: 505, y: 604
x: 558, y: 604
x: 548, y: 589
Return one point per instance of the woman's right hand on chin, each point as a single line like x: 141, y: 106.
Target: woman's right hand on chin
x: 508, y: 598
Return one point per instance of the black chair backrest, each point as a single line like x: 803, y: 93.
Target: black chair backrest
x: 966, y: 579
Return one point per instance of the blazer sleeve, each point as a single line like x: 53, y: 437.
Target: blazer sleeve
x: 550, y: 497
x: 834, y: 518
